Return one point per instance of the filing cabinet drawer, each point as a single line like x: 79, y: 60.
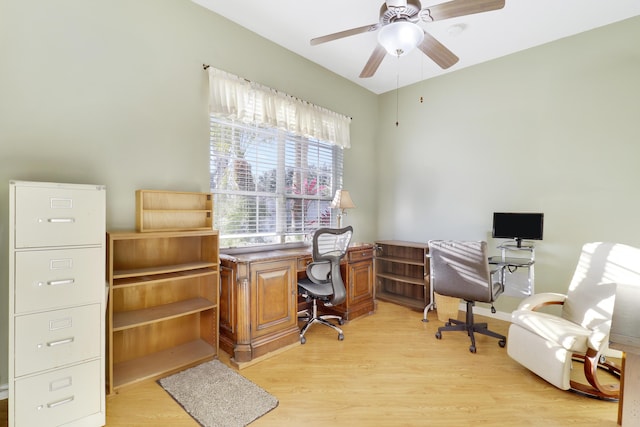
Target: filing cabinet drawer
x: 57, y: 278
x: 58, y: 397
x: 54, y: 338
x: 360, y: 254
x: 56, y: 216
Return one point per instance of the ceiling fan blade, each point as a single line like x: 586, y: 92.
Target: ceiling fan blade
x: 437, y: 52
x: 456, y: 8
x: 345, y: 33
x: 374, y: 61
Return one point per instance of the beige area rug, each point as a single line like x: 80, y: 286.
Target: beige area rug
x: 216, y: 395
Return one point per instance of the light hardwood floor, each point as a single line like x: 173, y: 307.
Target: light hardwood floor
x: 390, y: 370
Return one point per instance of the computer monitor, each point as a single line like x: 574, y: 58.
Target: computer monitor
x: 518, y: 226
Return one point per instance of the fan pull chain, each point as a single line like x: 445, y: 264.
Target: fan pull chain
x: 397, y: 89
x: 397, y: 108
x: 421, y: 77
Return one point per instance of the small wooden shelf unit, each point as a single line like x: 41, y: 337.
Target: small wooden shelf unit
x: 163, y: 303
x: 402, y: 273
x: 158, y: 210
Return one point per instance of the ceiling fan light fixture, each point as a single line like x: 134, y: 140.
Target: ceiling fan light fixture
x: 400, y: 37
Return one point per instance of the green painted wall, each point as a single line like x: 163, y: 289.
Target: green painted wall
x: 552, y: 129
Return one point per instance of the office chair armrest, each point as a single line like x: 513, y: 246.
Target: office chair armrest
x: 318, y: 271
x: 536, y: 301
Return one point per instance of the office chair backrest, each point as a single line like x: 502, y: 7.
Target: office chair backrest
x: 461, y: 269
x: 329, y: 247
x: 591, y: 294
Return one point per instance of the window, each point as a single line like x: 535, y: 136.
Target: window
x: 270, y: 186
x: 276, y: 162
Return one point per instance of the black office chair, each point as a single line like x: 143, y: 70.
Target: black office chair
x: 461, y: 270
x: 324, y: 281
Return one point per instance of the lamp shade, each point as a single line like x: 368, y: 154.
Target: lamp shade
x: 400, y: 37
x: 342, y: 200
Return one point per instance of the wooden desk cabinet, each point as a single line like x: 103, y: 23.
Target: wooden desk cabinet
x: 258, y: 306
x: 357, y: 273
x: 259, y: 297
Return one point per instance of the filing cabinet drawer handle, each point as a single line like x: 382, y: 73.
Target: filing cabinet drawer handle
x: 61, y: 220
x: 60, y: 402
x: 60, y: 282
x: 60, y: 342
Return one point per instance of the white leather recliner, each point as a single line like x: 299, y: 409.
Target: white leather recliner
x: 546, y: 343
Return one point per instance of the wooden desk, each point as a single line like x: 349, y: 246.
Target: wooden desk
x: 259, y: 297
x: 625, y: 336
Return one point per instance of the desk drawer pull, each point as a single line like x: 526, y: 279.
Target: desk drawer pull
x: 60, y: 402
x: 60, y: 342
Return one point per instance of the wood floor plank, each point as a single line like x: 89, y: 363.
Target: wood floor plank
x: 390, y: 370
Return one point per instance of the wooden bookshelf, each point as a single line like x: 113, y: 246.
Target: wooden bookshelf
x: 158, y: 210
x: 401, y: 270
x: 163, y: 303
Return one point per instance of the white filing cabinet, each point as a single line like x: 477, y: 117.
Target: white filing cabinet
x: 56, y: 304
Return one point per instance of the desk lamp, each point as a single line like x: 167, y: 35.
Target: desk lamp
x: 342, y: 201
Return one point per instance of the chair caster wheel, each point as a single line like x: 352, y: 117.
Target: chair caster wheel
x: 303, y: 340
x: 502, y: 343
x: 447, y: 324
x: 472, y: 349
x: 340, y: 322
x: 340, y: 337
x: 438, y: 335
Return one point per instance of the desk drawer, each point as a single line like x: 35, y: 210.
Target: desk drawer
x: 56, y: 278
x: 56, y: 338
x: 58, y: 397
x: 303, y: 263
x: 56, y: 216
x: 360, y: 254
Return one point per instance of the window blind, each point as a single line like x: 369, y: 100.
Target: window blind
x: 270, y: 186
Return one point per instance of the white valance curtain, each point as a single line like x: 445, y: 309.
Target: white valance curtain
x: 233, y: 97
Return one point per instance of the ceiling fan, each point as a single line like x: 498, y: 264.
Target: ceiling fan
x: 400, y: 33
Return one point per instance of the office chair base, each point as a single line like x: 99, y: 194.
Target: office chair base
x: 322, y: 321
x: 471, y: 327
x: 313, y: 317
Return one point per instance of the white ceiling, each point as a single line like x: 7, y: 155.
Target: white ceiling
x: 521, y: 24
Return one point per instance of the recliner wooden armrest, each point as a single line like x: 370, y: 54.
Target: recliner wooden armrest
x: 536, y: 301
